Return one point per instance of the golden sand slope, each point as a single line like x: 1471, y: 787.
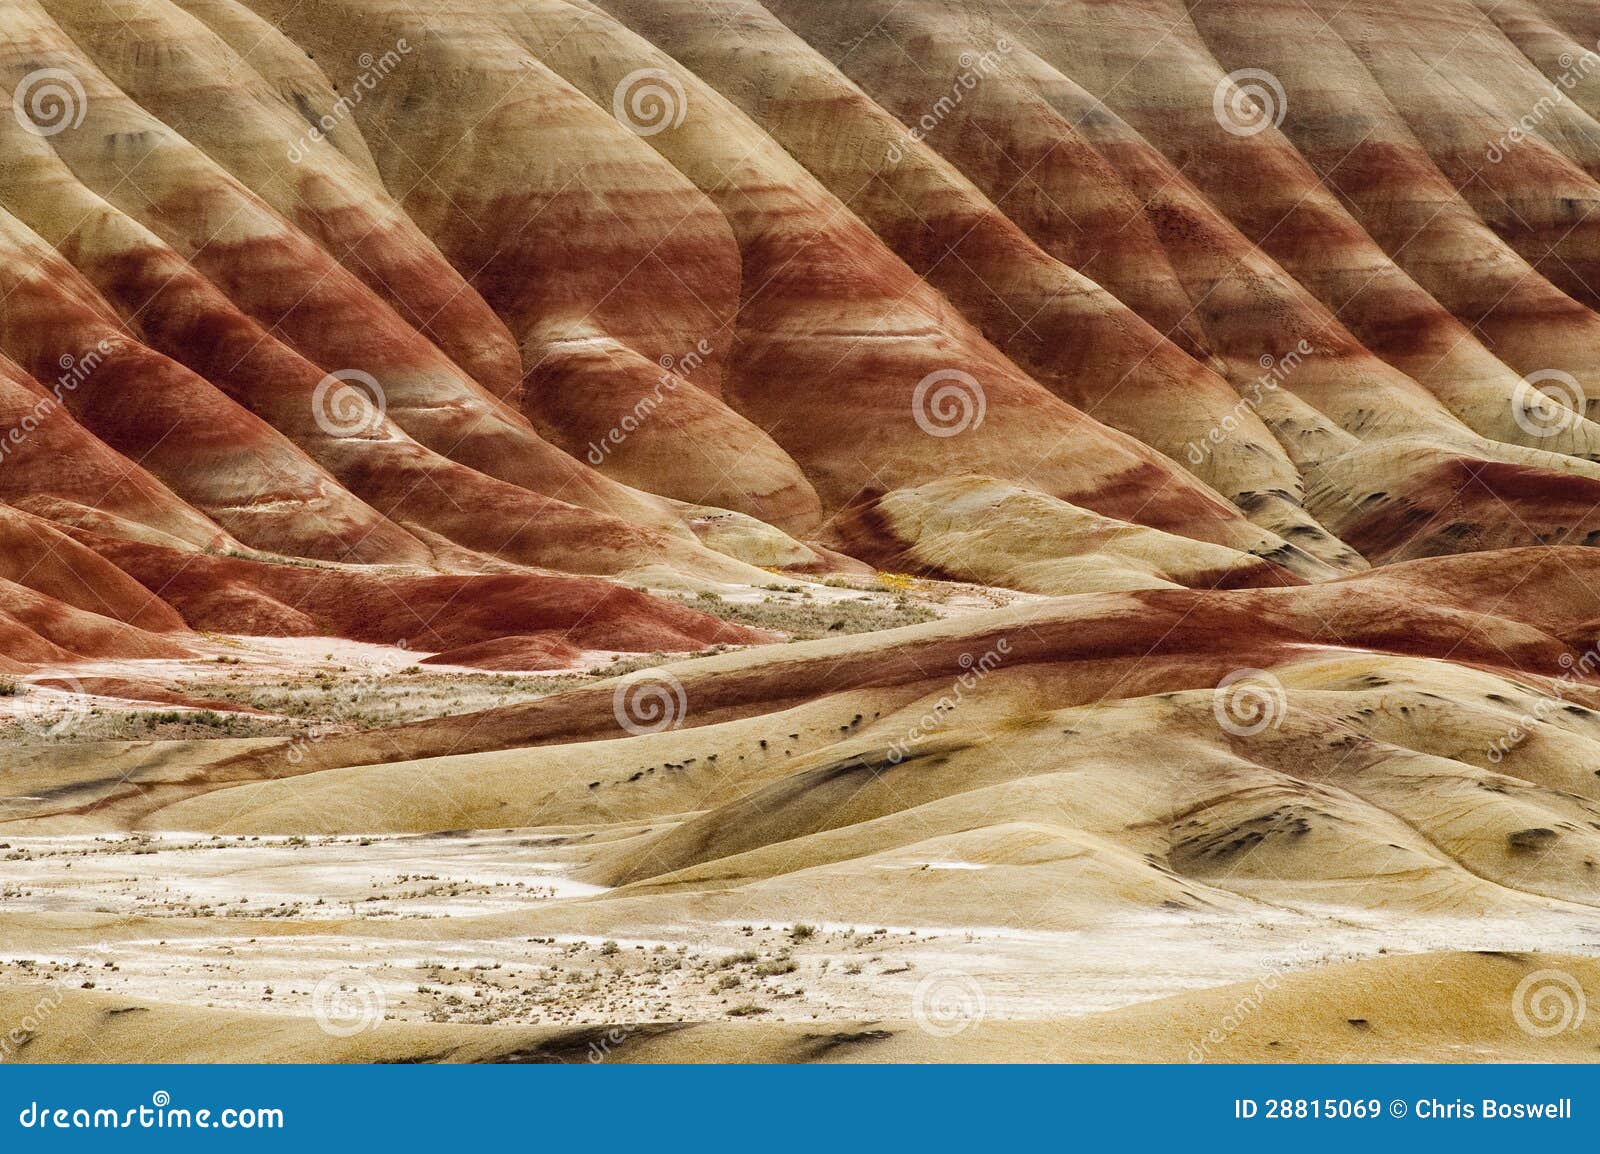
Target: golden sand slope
x: 1347, y: 744
x: 1430, y: 1007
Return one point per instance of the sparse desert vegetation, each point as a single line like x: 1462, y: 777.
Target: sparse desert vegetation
x: 798, y: 611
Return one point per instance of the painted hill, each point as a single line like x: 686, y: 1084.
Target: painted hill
x: 1027, y: 468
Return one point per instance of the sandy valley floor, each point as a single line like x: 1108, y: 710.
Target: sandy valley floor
x: 1117, y: 880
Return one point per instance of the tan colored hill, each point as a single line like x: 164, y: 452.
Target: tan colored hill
x: 1398, y: 1009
